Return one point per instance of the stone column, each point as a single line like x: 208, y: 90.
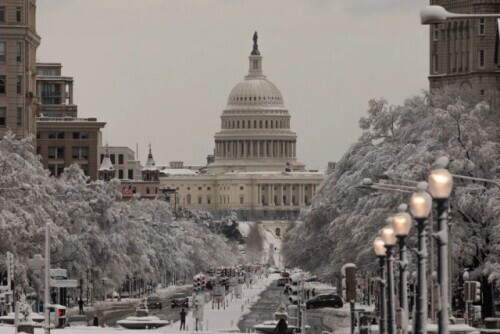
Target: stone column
x: 71, y: 92
x: 259, y: 196
x: 301, y: 195
x: 290, y: 193
x: 271, y: 189
x: 294, y: 149
x: 282, y: 203
x: 244, y: 153
x: 258, y: 148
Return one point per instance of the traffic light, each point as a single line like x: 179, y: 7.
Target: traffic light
x: 477, y: 291
x: 203, y: 279
x: 197, y: 283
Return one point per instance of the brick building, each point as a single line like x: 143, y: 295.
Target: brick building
x: 62, y: 137
x: 464, y: 52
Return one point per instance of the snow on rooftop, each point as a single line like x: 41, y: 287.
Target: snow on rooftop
x: 177, y: 171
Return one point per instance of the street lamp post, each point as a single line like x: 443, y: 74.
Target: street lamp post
x: 389, y: 238
x: 440, y: 186
x: 420, y: 208
x: 401, y: 223
x: 380, y: 251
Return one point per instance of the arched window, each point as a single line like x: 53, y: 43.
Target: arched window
x: 278, y: 232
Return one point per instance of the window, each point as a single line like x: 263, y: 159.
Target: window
x: 208, y: 188
x: 147, y: 190
x: 199, y: 188
x: 241, y: 187
x: 278, y: 232
x: 18, y: 14
x: 112, y: 157
x: 242, y: 199
x: 199, y: 200
x: 120, y: 159
x: 19, y: 84
x: 2, y: 14
x: 481, y: 58
x: 131, y: 174
x: 435, y: 32
x: 85, y: 168
x: 482, y: 92
x: 38, y: 135
x: 81, y: 135
x: 57, y: 169
x: 189, y: 188
x: 19, y: 116
x: 2, y: 52
x: 3, y: 112
x: 2, y: 84
x: 188, y: 199
x: 209, y: 200
x: 80, y: 153
x: 56, y: 135
x: 120, y: 174
x: 19, y: 51
x: 482, y: 26
x: 56, y: 152
x: 435, y: 63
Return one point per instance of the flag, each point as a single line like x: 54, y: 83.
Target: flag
x: 288, y: 167
x: 127, y: 191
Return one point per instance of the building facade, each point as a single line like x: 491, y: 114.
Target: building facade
x: 18, y: 44
x: 62, y: 137
x: 124, y: 161
x: 464, y: 52
x: 254, y: 171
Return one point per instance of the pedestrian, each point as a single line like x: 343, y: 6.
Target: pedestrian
x: 281, y: 327
x: 54, y: 296
x: 95, y: 323
x: 183, y: 319
x: 307, y: 293
x: 313, y: 292
x: 80, y: 306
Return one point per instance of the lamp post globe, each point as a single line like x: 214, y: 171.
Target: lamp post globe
x: 401, y: 224
x: 420, y: 205
x: 379, y: 246
x: 388, y: 236
x: 440, y: 184
x: 466, y: 275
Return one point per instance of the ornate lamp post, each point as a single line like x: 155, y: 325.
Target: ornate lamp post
x: 420, y: 208
x: 378, y: 246
x: 389, y: 238
x: 401, y: 224
x: 440, y: 186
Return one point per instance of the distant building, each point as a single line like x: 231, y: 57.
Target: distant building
x: 18, y: 44
x: 147, y: 187
x: 465, y: 52
x: 124, y: 161
x: 254, y: 171
x: 62, y: 137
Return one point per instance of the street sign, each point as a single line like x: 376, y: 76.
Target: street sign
x: 64, y: 283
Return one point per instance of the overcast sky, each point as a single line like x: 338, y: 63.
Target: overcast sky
x: 160, y: 71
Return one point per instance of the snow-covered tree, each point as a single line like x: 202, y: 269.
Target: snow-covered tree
x: 403, y: 142
x: 90, y: 229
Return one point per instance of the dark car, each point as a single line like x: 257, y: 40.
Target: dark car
x: 154, y: 302
x: 327, y: 300
x: 180, y: 300
x: 282, y: 281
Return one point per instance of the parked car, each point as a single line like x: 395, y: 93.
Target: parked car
x: 154, y: 302
x: 180, y: 300
x: 325, y: 300
x: 282, y: 281
x: 285, y: 274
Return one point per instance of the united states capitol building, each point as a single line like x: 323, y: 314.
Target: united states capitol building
x: 254, y: 170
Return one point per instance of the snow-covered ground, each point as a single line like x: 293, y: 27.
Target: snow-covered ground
x: 215, y: 321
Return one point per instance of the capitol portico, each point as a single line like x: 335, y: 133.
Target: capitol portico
x: 254, y: 170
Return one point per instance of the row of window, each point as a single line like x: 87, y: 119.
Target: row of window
x: 19, y: 11
x: 59, y: 152
x: 3, y: 84
x: 256, y: 98
x: 112, y: 157
x: 62, y: 135
x: 459, y: 30
x: 3, y: 116
x: 223, y: 199
x: 247, y: 124
x: 459, y: 61
x: 58, y: 169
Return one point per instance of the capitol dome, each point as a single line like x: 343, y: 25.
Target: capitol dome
x: 255, y: 132
x: 255, y: 91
